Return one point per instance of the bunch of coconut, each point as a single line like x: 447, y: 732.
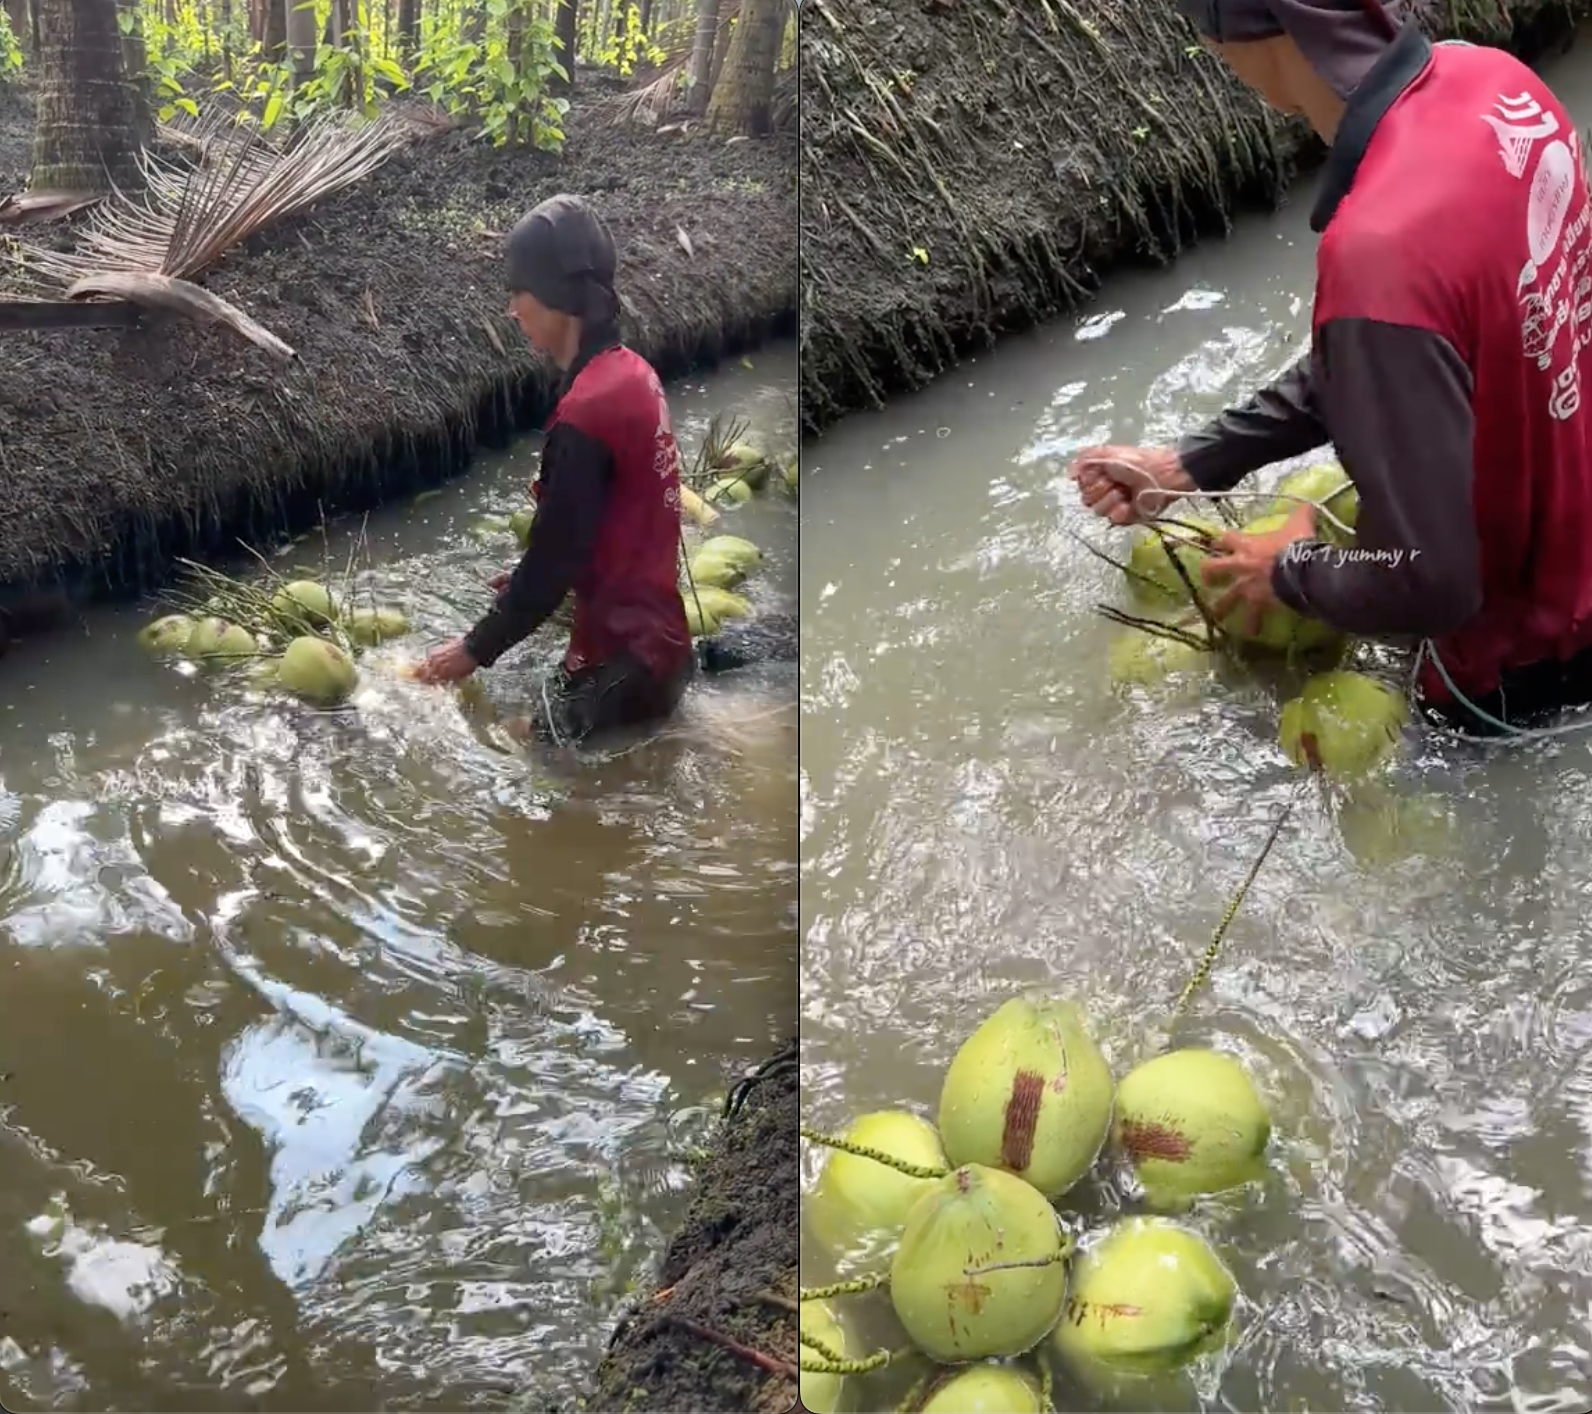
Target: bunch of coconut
x: 962, y: 1213
x: 713, y: 572
x: 742, y: 470
x: 295, y: 636
x: 1164, y: 581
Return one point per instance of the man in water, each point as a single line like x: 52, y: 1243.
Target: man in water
x: 607, y: 522
x: 1453, y: 310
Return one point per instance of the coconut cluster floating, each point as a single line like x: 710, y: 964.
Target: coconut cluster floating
x: 959, y: 1220
x: 293, y: 635
x: 1348, y: 718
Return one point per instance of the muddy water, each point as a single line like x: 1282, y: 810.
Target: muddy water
x: 981, y: 813
x: 355, y: 1061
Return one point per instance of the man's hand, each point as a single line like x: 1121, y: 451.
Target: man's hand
x: 1247, y: 561
x: 1129, y: 485
x: 500, y: 581
x: 450, y: 663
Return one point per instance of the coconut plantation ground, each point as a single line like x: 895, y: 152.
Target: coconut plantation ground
x: 1329, y: 969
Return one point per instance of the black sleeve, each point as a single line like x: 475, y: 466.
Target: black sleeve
x: 1399, y: 399
x: 577, y: 473
x: 1279, y: 422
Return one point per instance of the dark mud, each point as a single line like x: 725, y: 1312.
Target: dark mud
x: 120, y: 450
x: 971, y: 169
x: 737, y: 1247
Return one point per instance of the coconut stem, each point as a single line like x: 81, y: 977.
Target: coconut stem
x: 1047, y: 1383
x: 832, y: 1362
x: 832, y: 1141
x: 913, y: 1399
x: 1209, y: 960
x: 857, y: 1286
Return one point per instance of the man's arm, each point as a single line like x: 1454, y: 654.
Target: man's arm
x: 1277, y: 423
x: 577, y: 473
x: 1399, y: 399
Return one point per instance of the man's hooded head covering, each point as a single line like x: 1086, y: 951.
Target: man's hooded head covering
x: 1341, y: 39
x: 562, y: 255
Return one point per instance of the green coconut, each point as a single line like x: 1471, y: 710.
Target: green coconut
x: 861, y: 1203
x: 1143, y: 659
x: 1147, y: 1298
x: 985, y: 1389
x: 1190, y: 1122
x: 1326, y: 485
x: 1028, y: 1092
x: 1154, y: 580
x: 733, y: 550
x: 820, y: 1391
x: 520, y: 525
x: 697, y: 618
x: 488, y: 526
x: 317, y: 672
x: 1343, y: 722
x: 711, y: 570
x: 720, y: 603
x: 303, y: 604
x: 746, y: 461
x: 980, y: 1272
x: 368, y: 627
x: 168, y: 634
x: 732, y: 489
x: 214, y: 638
x: 788, y: 471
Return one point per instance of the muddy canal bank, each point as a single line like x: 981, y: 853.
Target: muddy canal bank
x: 118, y: 450
x: 969, y: 170
x: 731, y: 1270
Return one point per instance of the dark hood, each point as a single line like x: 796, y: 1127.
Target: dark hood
x: 1342, y: 39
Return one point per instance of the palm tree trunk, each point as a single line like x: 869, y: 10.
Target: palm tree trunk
x: 88, y: 115
x: 567, y: 31
x: 701, y: 78
x: 744, y: 92
x: 301, y: 38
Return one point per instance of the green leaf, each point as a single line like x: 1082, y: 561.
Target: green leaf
x: 188, y: 106
x: 273, y: 109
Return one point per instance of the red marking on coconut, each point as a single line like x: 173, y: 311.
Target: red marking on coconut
x: 1022, y: 1118
x: 1146, y: 1139
x: 1311, y: 749
x: 967, y: 1293
x: 1077, y: 1312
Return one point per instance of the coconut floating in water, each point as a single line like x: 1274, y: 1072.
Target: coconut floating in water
x: 1028, y: 1092
x: 733, y: 550
x: 820, y: 1390
x: 1326, y: 485
x: 713, y: 571
x: 1190, y: 1122
x: 746, y: 461
x: 731, y: 490
x: 701, y: 623
x: 520, y: 526
x: 1343, y: 723
x: 985, y: 1389
x: 303, y: 605
x: 980, y: 1271
x: 719, y: 604
x: 168, y: 634
x: 1147, y: 1298
x: 370, y: 626
x: 214, y: 638
x: 317, y: 672
x: 1139, y: 658
x: 860, y: 1202
x: 1154, y: 579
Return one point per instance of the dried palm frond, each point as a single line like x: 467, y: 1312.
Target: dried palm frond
x: 190, y: 217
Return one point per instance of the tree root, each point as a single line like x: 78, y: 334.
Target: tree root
x: 774, y: 1364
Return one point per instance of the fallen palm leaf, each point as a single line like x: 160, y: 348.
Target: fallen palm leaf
x: 191, y: 216
x: 168, y: 295
x: 31, y: 208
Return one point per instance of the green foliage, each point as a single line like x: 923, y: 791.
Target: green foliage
x: 10, y: 50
